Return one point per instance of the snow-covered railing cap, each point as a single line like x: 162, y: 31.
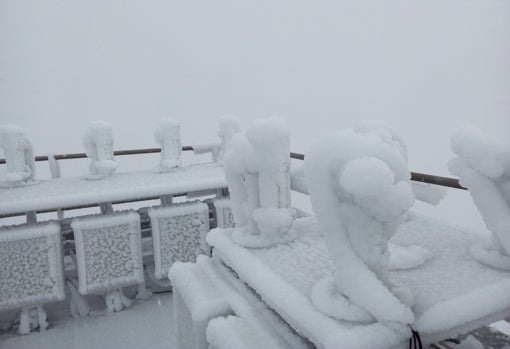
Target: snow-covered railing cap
x: 168, y: 135
x: 19, y: 155
x: 98, y: 143
x: 483, y: 166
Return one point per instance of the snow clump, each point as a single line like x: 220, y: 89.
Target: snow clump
x: 169, y: 138
x: 98, y: 143
x: 257, y: 168
x: 360, y: 192
x: 19, y: 156
x: 483, y: 166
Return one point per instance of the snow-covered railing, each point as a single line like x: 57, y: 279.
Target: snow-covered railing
x: 415, y: 176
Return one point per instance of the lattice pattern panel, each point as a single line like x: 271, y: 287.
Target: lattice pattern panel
x: 108, y: 251
x: 223, y: 213
x: 31, y: 265
x: 178, y: 234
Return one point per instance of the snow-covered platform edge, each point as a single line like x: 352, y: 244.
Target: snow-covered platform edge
x: 295, y: 308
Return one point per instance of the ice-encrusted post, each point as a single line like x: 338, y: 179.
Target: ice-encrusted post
x: 19, y: 156
x: 359, y: 189
x: 229, y: 126
x: 98, y: 143
x: 257, y: 168
x: 483, y: 166
x: 168, y: 135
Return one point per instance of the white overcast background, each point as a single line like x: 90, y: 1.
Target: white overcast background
x: 426, y: 67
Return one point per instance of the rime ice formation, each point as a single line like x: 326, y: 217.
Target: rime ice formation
x: 168, y: 135
x: 19, y: 156
x: 98, y: 143
x: 359, y: 189
x: 423, y: 192
x: 229, y: 126
x: 257, y: 168
x: 483, y: 166
x: 31, y: 273
x: 178, y: 234
x: 109, y: 255
x: 409, y: 256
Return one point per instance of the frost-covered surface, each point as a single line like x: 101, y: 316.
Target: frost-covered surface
x: 108, y: 252
x: 147, y: 324
x: 19, y: 156
x: 178, y: 234
x: 483, y: 165
x: 453, y: 293
x: 360, y: 191
x: 257, y: 168
x: 64, y: 192
x: 223, y: 212
x: 98, y: 143
x: 31, y: 271
x: 168, y: 135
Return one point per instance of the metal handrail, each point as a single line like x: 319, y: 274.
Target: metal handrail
x: 415, y: 176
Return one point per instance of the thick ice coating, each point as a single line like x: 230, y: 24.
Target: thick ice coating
x: 257, y: 168
x: 483, y: 166
x: 168, y: 135
x: 19, y: 155
x: 360, y: 191
x: 98, y: 143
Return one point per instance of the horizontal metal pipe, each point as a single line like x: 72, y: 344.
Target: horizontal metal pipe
x: 116, y: 153
x: 415, y: 176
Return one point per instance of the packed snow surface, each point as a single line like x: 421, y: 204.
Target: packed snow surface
x: 147, y: 324
x: 66, y: 192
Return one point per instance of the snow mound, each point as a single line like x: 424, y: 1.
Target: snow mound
x: 483, y: 166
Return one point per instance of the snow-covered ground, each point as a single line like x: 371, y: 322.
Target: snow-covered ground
x: 146, y: 325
